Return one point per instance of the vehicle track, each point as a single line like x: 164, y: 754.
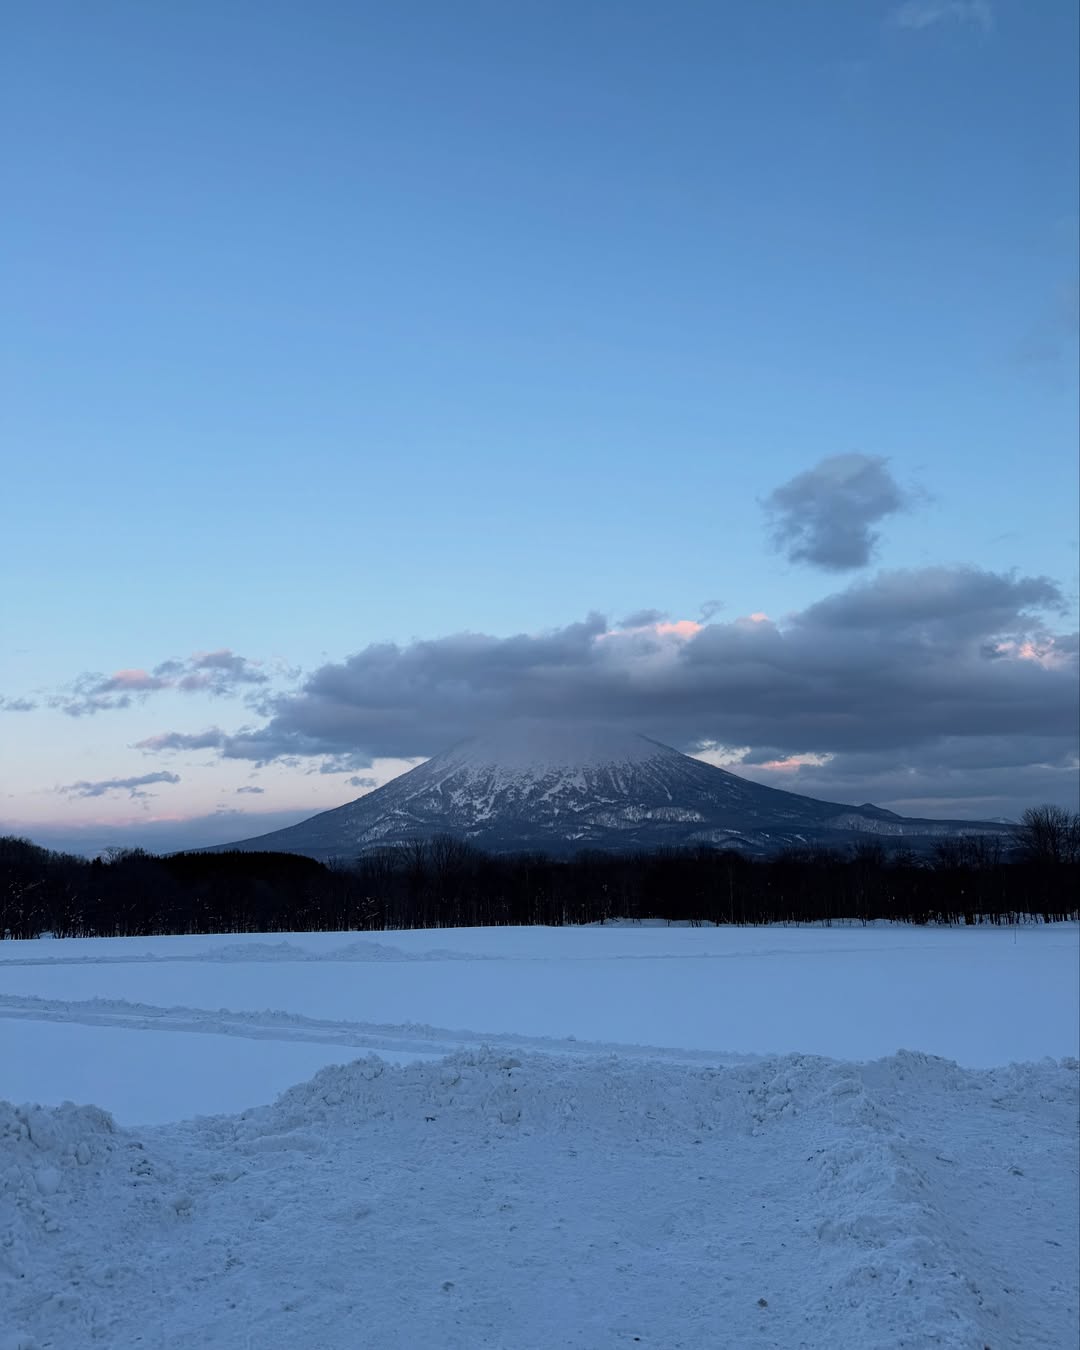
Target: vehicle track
x: 369, y: 1037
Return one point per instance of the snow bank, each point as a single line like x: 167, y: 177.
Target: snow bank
x: 40, y: 1152
x: 488, y: 1199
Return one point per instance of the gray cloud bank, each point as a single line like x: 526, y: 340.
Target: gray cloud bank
x: 912, y: 669
x: 825, y: 516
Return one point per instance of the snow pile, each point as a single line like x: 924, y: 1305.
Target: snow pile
x: 555, y: 1179
x: 41, y: 1152
x: 492, y: 1199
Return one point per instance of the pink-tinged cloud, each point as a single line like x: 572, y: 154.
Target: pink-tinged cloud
x: 1048, y: 652
x: 752, y: 623
x: 130, y: 680
x: 219, y: 673
x: 681, y: 628
x: 793, y: 763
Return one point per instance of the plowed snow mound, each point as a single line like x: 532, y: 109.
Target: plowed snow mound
x: 536, y: 1202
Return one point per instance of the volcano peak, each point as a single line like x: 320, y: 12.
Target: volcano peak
x: 557, y: 787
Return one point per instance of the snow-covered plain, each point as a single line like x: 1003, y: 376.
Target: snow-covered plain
x: 667, y: 1137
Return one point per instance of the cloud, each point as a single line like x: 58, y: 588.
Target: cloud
x: 920, y: 14
x: 90, y: 694
x: 643, y: 618
x: 219, y: 673
x: 985, y: 777
x: 900, y: 666
x: 131, y: 786
x: 943, y: 606
x: 211, y: 739
x: 362, y: 781
x: 824, y: 516
x: 16, y: 705
x: 347, y: 763
x: 131, y: 681
x: 255, y: 791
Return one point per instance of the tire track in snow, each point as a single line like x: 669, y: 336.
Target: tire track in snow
x: 256, y: 953
x: 270, y: 1025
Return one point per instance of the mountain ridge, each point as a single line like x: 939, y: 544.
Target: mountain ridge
x: 544, y: 787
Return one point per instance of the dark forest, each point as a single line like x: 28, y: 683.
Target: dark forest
x: 445, y: 883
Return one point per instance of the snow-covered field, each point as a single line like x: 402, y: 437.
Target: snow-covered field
x: 518, y: 1138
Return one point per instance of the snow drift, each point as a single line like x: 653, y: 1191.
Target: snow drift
x: 488, y: 1199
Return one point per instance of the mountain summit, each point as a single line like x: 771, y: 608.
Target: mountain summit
x: 552, y: 788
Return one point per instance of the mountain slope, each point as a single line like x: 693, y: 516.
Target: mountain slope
x: 557, y: 789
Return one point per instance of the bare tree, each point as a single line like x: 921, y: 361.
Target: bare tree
x: 1049, y: 834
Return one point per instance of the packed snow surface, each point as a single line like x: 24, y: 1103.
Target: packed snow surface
x: 665, y: 1174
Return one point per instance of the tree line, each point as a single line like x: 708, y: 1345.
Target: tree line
x: 445, y: 883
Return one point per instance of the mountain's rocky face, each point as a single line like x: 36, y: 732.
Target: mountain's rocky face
x: 559, y: 789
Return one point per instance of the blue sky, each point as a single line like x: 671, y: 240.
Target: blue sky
x: 346, y: 324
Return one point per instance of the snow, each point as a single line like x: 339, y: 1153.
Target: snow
x: 982, y: 996
x: 666, y: 1137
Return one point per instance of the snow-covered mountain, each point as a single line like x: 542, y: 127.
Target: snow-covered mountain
x: 560, y: 789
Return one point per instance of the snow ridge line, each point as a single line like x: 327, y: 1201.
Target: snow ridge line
x: 276, y: 1025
